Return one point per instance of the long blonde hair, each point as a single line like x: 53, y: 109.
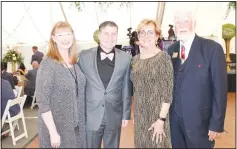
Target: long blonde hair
x: 53, y: 50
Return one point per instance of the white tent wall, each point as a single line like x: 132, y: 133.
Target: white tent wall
x: 30, y: 23
x: 210, y: 16
x: 230, y: 19
x: 37, y: 23
x: 26, y: 50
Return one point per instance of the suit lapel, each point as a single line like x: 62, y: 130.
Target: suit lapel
x: 99, y: 81
x: 176, y: 60
x: 116, y: 67
x: 195, y: 47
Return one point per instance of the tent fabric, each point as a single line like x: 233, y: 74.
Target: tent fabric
x: 27, y: 24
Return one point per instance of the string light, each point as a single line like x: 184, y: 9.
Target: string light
x: 9, y: 35
x: 96, y: 15
x: 34, y: 23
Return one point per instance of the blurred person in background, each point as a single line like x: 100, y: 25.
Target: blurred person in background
x: 37, y: 56
x: 6, y: 75
x: 30, y: 84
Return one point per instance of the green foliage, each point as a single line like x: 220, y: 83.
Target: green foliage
x: 95, y: 36
x: 78, y: 5
x: 228, y: 31
x: 231, y: 6
x: 122, y: 4
x: 13, y: 56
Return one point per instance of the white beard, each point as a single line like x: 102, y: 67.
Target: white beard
x: 184, y: 37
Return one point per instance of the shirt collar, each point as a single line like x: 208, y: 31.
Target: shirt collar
x: 188, y: 44
x: 101, y: 50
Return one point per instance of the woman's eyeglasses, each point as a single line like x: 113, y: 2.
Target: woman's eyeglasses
x: 144, y: 33
x: 59, y: 35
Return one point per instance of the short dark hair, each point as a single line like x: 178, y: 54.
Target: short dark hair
x: 22, y: 66
x: 35, y: 47
x: 3, y: 66
x: 107, y: 23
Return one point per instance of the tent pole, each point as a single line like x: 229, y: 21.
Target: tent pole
x: 61, y: 6
x: 160, y: 13
x: 157, y: 12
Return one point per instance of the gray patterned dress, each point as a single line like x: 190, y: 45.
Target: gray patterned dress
x: 56, y: 92
x: 153, y: 85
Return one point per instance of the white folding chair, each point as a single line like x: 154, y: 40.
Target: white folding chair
x: 19, y: 91
x: 13, y: 121
x: 33, y: 102
x: 15, y: 92
x: 18, y: 94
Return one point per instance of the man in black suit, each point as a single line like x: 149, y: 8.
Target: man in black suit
x: 200, y: 87
x: 7, y: 76
x: 37, y: 56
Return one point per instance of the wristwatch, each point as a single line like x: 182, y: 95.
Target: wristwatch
x: 162, y: 119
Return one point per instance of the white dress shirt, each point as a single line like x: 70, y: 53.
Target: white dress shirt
x: 187, y: 46
x: 103, y: 56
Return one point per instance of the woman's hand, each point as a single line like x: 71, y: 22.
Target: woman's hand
x: 55, y: 140
x: 26, y: 71
x: 21, y: 71
x: 158, y: 131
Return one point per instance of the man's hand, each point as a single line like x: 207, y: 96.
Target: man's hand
x: 124, y: 123
x: 212, y: 135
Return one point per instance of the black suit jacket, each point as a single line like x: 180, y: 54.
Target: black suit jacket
x: 7, y: 94
x: 37, y: 56
x: 9, y: 77
x: 204, y: 87
x: 30, y: 86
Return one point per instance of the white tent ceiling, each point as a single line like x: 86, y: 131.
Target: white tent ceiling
x: 29, y: 23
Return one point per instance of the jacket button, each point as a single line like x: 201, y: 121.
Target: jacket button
x: 103, y: 105
x: 105, y: 93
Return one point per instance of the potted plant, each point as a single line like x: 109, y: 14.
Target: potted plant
x: 14, y: 57
x: 228, y: 32
x: 95, y: 36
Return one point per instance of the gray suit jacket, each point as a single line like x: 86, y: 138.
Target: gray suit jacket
x: 37, y: 56
x: 30, y: 86
x: 115, y: 100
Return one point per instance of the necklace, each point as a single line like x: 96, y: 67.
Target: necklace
x: 74, y: 77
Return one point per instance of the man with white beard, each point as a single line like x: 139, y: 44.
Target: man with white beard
x: 200, y: 86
